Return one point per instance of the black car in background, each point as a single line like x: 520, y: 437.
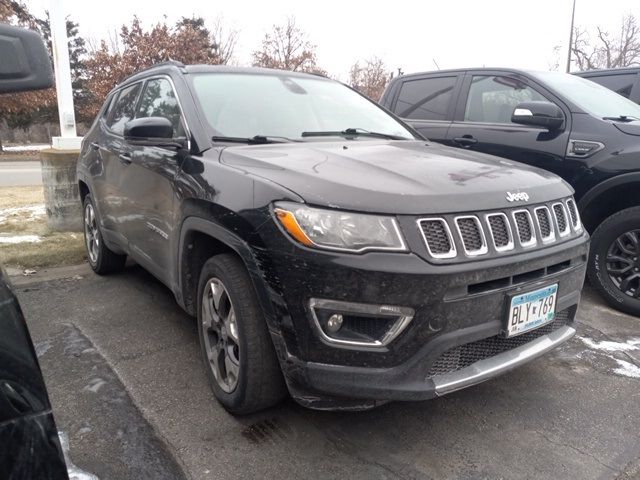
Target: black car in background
x: 30, y: 447
x: 324, y: 246
x: 625, y: 81
x: 573, y: 127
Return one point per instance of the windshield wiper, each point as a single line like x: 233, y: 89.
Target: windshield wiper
x: 255, y: 140
x: 622, y: 118
x: 353, y: 132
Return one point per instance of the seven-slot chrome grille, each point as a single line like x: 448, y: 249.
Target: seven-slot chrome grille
x: 473, y: 235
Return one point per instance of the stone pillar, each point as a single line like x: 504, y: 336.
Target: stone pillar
x: 61, y: 195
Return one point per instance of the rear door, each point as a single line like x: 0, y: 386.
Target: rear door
x: 482, y: 121
x: 150, y: 181
x: 427, y: 103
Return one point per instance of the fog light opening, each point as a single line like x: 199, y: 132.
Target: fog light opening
x: 358, y: 325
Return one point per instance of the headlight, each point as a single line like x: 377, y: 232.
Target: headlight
x: 336, y: 230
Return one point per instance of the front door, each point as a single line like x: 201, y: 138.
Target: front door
x: 483, y: 121
x: 149, y: 183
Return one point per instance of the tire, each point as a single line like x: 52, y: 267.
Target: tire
x: 101, y: 259
x: 239, y: 357
x: 614, y: 260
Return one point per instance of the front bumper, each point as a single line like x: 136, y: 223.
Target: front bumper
x: 455, y: 305
x: 376, y: 386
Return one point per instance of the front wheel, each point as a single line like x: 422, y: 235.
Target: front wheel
x: 614, y: 261
x: 238, y: 354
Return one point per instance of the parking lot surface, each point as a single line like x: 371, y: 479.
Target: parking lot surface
x: 119, y: 348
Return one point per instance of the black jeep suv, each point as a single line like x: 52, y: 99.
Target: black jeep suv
x: 323, y: 245
x: 573, y: 127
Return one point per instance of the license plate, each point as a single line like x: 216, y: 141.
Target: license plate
x: 531, y: 310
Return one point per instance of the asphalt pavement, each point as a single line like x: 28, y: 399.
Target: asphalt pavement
x: 20, y: 173
x: 574, y: 413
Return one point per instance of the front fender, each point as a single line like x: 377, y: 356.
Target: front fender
x: 249, y: 256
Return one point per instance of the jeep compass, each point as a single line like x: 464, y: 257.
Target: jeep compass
x: 324, y: 246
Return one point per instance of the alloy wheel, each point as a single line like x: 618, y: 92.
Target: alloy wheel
x: 220, y: 330
x: 91, y: 235
x: 623, y: 263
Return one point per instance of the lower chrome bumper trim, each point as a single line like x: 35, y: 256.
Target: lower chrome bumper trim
x: 491, y: 367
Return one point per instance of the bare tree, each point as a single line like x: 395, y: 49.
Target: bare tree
x: 287, y: 48
x: 224, y: 41
x: 554, y: 63
x: 371, y: 78
x: 609, y: 51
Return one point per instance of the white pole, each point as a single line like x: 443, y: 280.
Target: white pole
x: 60, y: 44
x: 573, y: 17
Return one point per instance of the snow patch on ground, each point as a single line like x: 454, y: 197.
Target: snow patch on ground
x: 608, y: 346
x: 26, y: 148
x: 4, y: 239
x: 610, y: 350
x: 34, y: 212
x: 627, y: 369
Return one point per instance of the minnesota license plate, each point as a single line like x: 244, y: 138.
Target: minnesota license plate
x: 531, y: 310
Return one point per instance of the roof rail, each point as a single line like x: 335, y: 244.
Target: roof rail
x: 166, y: 63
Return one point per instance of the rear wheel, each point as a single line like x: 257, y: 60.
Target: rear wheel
x: 238, y: 354
x: 614, y: 264
x: 101, y: 258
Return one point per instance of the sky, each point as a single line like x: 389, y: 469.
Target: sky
x: 412, y: 35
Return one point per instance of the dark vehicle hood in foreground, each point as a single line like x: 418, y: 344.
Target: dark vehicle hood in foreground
x: 402, y: 177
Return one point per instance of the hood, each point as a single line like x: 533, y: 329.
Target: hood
x: 402, y: 177
x: 632, y: 128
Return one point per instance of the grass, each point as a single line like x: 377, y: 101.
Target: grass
x: 55, y: 248
x: 12, y: 197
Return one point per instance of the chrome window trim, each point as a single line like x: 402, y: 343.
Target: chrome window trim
x: 484, y: 249
x: 453, y: 252
x: 567, y: 230
x: 552, y: 235
x: 115, y: 94
x: 511, y: 244
x: 534, y: 239
x: 577, y: 227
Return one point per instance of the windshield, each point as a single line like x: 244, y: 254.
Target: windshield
x: 246, y: 105
x: 589, y: 96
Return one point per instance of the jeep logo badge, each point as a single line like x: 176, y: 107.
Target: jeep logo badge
x: 518, y: 197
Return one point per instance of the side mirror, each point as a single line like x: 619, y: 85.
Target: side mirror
x: 538, y: 114
x: 150, y: 131
x: 24, y: 60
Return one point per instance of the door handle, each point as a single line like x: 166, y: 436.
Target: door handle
x: 125, y: 158
x: 95, y: 146
x: 465, y: 141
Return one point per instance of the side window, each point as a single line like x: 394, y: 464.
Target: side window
x: 159, y: 100
x: 492, y: 99
x: 124, y: 108
x: 108, y: 107
x: 425, y: 99
x: 621, y: 84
